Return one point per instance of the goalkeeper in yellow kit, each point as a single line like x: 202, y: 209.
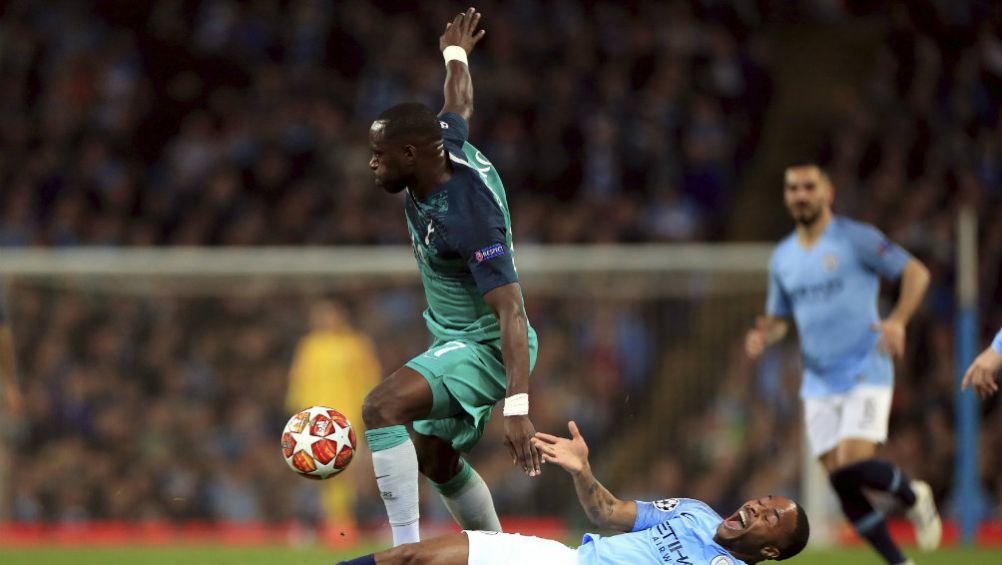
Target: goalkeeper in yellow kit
x: 335, y: 365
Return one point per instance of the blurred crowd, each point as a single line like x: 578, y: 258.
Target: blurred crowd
x: 166, y: 406
x: 244, y: 123
x: 230, y: 122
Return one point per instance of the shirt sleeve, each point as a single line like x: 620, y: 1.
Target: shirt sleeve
x: 454, y: 127
x: 479, y: 234
x: 877, y: 252
x: 650, y: 514
x: 997, y: 342
x: 777, y: 302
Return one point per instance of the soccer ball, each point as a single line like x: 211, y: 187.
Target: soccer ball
x: 318, y: 442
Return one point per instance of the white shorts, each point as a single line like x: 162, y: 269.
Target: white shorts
x: 496, y: 548
x: 860, y: 413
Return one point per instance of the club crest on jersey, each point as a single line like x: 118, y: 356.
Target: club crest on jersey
x: 829, y: 262
x: 883, y: 247
x: 666, y: 504
x: 443, y: 124
x: 722, y: 560
x: 489, y: 252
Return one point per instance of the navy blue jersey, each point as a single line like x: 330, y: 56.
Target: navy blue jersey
x: 461, y: 235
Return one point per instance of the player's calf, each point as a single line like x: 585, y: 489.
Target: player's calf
x: 868, y: 522
x: 403, y: 397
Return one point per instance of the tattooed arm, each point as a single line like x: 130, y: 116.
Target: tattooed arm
x: 603, y: 509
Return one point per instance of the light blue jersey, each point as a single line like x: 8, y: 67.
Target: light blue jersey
x: 831, y: 292
x: 675, y: 531
x: 997, y: 342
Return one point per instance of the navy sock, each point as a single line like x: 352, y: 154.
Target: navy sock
x: 369, y: 559
x: 882, y: 475
x: 867, y: 521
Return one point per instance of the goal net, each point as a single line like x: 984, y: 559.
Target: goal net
x: 155, y: 380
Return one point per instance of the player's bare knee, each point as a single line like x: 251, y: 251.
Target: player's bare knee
x: 379, y: 410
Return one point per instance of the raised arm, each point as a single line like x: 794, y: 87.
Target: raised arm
x: 456, y: 42
x: 603, y: 509
x: 506, y: 302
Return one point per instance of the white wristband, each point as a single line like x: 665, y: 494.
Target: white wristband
x: 455, y: 53
x: 516, y: 405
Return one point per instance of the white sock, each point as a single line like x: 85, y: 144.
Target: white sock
x: 472, y: 507
x: 396, y: 472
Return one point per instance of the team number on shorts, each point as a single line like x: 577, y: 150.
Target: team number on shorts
x: 447, y: 347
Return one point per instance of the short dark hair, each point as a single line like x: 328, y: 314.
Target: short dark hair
x: 798, y: 540
x: 798, y: 163
x: 410, y: 121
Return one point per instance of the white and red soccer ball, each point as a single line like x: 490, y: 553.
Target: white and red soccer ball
x: 318, y: 442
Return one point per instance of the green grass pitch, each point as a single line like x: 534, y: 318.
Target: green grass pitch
x: 288, y: 556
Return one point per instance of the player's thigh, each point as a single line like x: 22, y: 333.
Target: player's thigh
x: 853, y: 450
x: 460, y: 374
x: 865, y: 415
x: 402, y: 397
x: 496, y: 548
x: 822, y: 417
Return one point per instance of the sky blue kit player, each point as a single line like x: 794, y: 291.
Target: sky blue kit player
x: 826, y: 277
x: 830, y: 290
x: 673, y: 531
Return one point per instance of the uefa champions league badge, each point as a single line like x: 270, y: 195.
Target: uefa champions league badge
x: 666, y: 504
x: 489, y: 252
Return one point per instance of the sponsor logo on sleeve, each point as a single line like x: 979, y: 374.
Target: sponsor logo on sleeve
x: 666, y: 504
x: 884, y: 247
x: 489, y: 252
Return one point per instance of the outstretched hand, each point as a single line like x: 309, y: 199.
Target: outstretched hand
x: 462, y: 31
x: 571, y: 454
x: 982, y: 373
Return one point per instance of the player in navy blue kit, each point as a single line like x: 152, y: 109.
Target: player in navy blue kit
x: 672, y: 531
x: 984, y: 370
x: 483, y: 347
x: 826, y: 276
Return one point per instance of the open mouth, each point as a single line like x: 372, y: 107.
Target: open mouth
x: 736, y: 521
